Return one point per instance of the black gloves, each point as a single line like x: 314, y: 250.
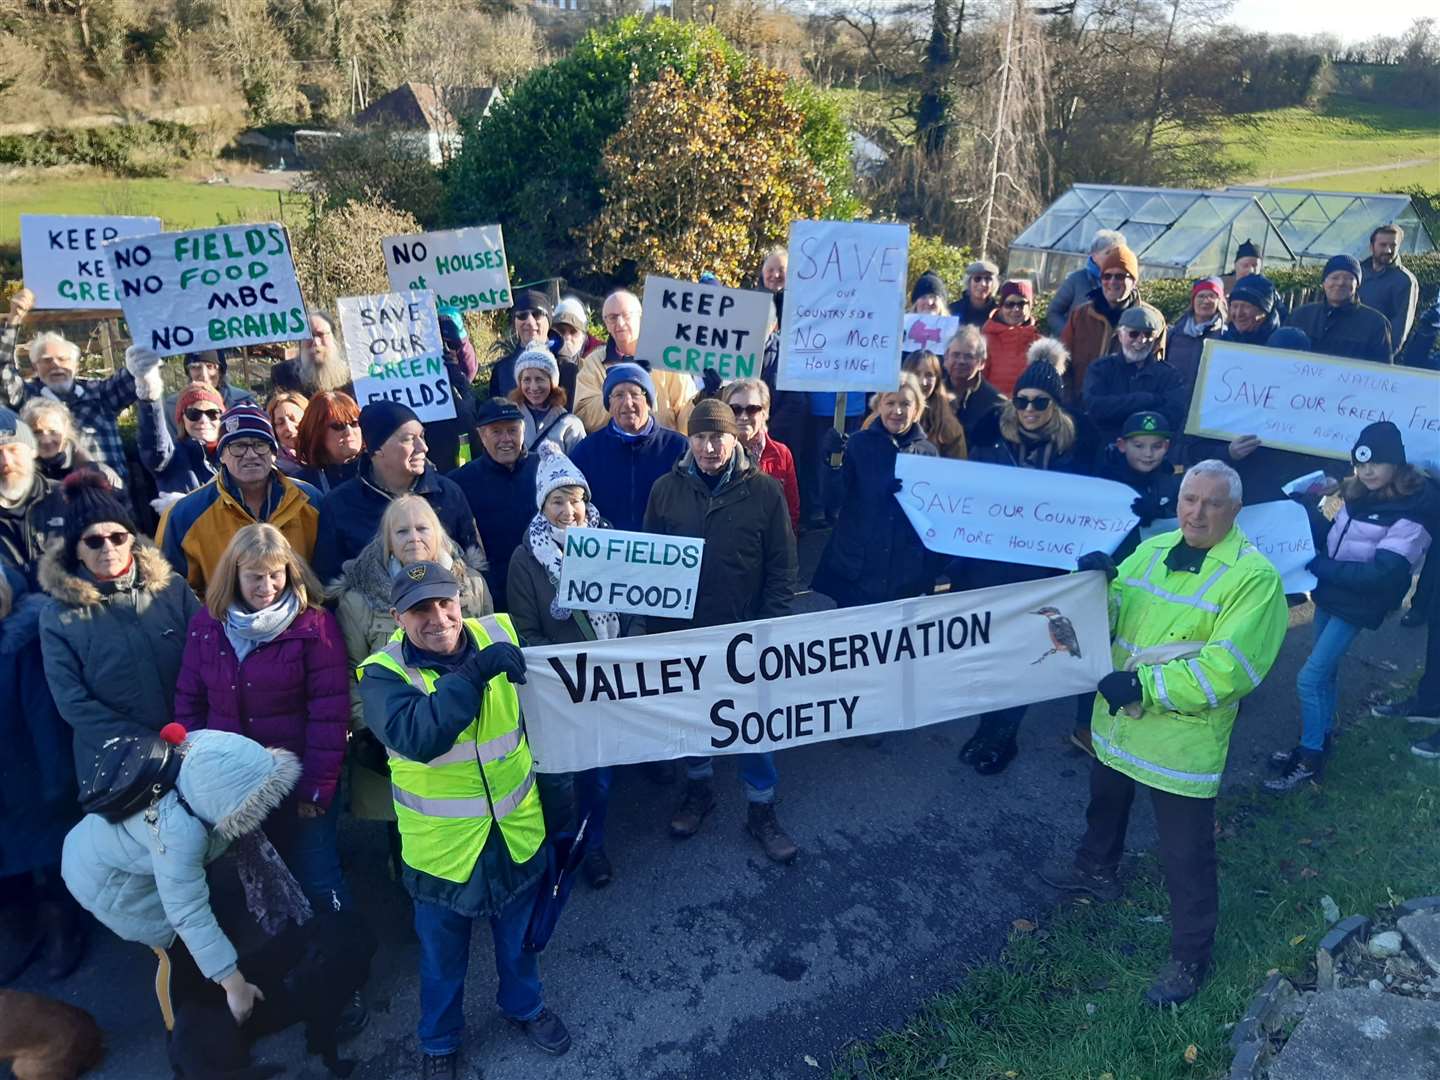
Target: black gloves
x: 1149, y: 507
x: 502, y: 658
x: 711, y: 378
x: 1098, y: 560
x: 834, y: 441
x: 1121, y: 688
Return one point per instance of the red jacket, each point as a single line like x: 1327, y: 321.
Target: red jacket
x: 1006, y: 347
x: 292, y: 692
x: 777, y: 461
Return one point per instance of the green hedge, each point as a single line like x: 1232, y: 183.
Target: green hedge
x: 148, y: 148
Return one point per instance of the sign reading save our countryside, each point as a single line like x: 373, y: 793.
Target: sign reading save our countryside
x: 393, y: 346
x: 464, y: 268
x: 690, y: 327
x: 1312, y: 404
x: 844, y: 306
x: 63, y: 261
x: 208, y: 288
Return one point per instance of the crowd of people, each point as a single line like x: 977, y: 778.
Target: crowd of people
x: 349, y: 589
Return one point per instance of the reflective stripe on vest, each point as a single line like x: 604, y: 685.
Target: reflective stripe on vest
x: 466, y: 808
x: 1196, y: 601
x: 1160, y: 770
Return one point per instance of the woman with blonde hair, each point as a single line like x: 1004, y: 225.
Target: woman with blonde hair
x: 939, y: 422
x: 286, y: 410
x: 409, y: 532
x: 58, y: 447
x: 265, y: 660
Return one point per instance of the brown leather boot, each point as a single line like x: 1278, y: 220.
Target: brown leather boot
x: 762, y: 825
x: 699, y: 800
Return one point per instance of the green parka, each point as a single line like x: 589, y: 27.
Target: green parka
x: 1200, y: 642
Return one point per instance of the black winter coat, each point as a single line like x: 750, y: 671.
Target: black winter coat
x: 502, y: 499
x: 1354, y: 331
x: 979, y: 413
x: 874, y: 553
x: 1157, y: 494
x: 27, y: 527
x: 1115, y: 388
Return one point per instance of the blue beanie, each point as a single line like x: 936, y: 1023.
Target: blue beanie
x: 1256, y: 290
x: 632, y: 373
x: 1289, y: 337
x: 1348, y: 263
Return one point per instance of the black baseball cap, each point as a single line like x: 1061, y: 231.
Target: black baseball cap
x: 498, y: 410
x: 422, y: 581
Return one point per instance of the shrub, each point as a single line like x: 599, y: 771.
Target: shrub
x: 946, y: 260
x: 337, y: 251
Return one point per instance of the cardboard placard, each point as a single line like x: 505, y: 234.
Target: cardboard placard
x: 393, y: 346
x: 688, y: 327
x: 63, y: 260
x: 640, y: 573
x: 464, y: 268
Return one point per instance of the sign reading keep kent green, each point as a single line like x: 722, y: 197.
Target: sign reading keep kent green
x: 690, y: 327
x: 63, y: 263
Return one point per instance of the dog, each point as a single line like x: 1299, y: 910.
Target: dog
x: 45, y: 1039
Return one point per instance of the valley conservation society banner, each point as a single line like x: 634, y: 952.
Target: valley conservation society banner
x: 779, y: 683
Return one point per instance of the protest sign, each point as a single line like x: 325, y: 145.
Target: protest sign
x: 464, y: 268
x: 640, y: 573
x: 392, y: 342
x: 844, y: 302
x: 63, y: 262
x: 689, y: 327
x: 802, y: 679
x: 1280, y: 529
x: 208, y: 288
x: 1311, y: 404
x: 1011, y: 515
x: 929, y: 332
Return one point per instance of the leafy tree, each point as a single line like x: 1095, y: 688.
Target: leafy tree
x: 337, y: 252
x: 534, y: 163
x: 704, y: 175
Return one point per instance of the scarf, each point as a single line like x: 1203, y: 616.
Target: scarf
x: 248, y: 630
x: 1035, y: 450
x: 547, y: 544
x: 272, y: 894
x: 1191, y: 328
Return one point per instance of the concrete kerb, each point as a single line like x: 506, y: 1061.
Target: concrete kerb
x: 1343, y: 933
x: 1418, y: 905
x: 1250, y: 1038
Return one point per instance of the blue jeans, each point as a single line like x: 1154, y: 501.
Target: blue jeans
x: 757, y: 774
x: 592, y: 797
x: 1316, y: 682
x: 310, y: 850
x: 445, y: 958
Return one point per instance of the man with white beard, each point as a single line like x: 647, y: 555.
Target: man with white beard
x: 31, y: 509
x: 320, y: 366
x: 1131, y: 379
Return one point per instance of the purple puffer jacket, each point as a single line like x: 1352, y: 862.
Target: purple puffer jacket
x: 292, y: 692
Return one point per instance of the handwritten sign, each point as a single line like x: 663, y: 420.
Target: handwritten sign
x: 1311, y: 404
x: 643, y: 573
x: 930, y: 332
x: 1280, y: 529
x: 1011, y: 515
x: 63, y: 261
x: 464, y: 268
x: 689, y: 327
x: 844, y: 303
x: 393, y: 345
x: 208, y: 288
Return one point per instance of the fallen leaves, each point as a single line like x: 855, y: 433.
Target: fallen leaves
x: 1297, y: 939
x: 811, y: 1062
x: 1192, y: 1054
x: 1024, y: 926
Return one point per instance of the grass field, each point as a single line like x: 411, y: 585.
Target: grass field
x: 180, y: 204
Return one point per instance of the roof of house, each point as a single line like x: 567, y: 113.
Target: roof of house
x: 415, y: 105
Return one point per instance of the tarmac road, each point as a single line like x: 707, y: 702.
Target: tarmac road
x: 703, y: 960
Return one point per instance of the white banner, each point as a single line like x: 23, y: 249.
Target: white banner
x: 1312, y: 404
x: 635, y: 572
x: 689, y: 327
x: 778, y: 683
x: 844, y: 306
x: 393, y: 345
x: 930, y: 332
x: 208, y: 288
x: 464, y: 268
x: 1280, y: 529
x: 1011, y: 515
x: 63, y: 263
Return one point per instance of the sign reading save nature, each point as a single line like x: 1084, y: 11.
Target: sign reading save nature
x: 208, y: 288
x: 641, y: 573
x: 393, y: 345
x: 844, y: 306
x: 1311, y: 404
x: 1011, y: 515
x: 690, y: 327
x: 778, y: 683
x: 63, y: 261
x: 464, y: 268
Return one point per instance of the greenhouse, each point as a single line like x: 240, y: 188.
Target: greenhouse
x: 1178, y: 233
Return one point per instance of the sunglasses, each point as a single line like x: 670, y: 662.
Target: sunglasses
x: 529, y: 313
x: 196, y: 415
x: 1040, y: 402
x: 1138, y: 335
x: 1011, y: 304
x: 339, y: 426
x: 1115, y: 277
x: 747, y: 410
x: 99, y: 540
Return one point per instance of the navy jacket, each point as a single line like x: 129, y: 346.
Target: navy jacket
x: 622, y: 470
x: 1353, y: 331
x: 502, y: 501
x: 350, y: 516
x: 178, y: 465
x: 874, y: 554
x: 1115, y: 388
x: 1157, y: 494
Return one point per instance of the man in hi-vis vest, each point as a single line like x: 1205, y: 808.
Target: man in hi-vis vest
x: 440, y: 696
